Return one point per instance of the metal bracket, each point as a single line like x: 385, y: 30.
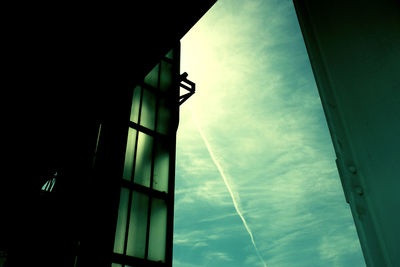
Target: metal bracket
x: 191, y: 88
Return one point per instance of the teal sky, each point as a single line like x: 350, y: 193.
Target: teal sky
x: 262, y: 165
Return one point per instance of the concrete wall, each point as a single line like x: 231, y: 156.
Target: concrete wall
x: 354, y: 49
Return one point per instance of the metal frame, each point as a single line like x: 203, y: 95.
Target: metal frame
x: 170, y: 139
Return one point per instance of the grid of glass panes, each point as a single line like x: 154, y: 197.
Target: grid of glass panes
x: 141, y: 229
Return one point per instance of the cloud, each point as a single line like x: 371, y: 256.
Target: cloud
x: 208, y: 190
x: 258, y: 105
x: 219, y: 217
x: 338, y: 242
x: 179, y: 263
x: 203, y: 236
x: 200, y: 244
x: 218, y: 256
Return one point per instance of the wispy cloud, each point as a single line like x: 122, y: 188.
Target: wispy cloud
x: 203, y: 237
x: 219, y: 255
x: 228, y: 186
x: 179, y: 263
x: 219, y: 217
x: 259, y: 108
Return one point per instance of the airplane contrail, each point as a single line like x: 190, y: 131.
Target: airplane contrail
x: 221, y: 172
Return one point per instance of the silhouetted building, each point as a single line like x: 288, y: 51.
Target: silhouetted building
x: 93, y: 132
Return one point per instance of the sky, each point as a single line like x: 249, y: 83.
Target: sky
x: 256, y: 180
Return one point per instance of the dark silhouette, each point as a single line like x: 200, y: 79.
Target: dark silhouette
x: 71, y: 68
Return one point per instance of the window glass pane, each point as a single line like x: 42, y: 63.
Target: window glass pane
x: 135, y: 104
x: 129, y: 154
x: 158, y: 230
x: 143, y: 159
x: 152, y: 78
x: 136, y: 245
x: 121, y: 221
x: 170, y: 54
x: 166, y: 76
x: 147, y: 118
x: 161, y: 167
x: 164, y: 117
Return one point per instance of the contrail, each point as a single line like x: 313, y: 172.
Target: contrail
x: 221, y: 172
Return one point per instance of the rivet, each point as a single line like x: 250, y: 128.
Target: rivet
x: 359, y: 190
x: 352, y: 169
